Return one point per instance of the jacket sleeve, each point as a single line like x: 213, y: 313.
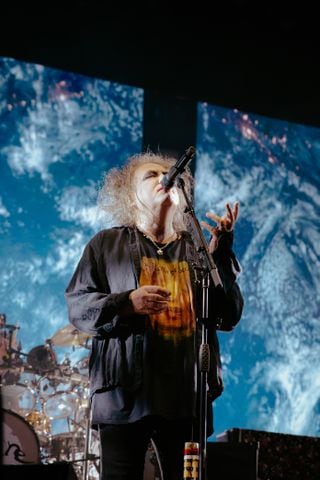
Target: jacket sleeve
x: 227, y: 305
x: 91, y: 306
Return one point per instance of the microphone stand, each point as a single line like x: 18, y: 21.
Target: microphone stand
x: 209, y: 270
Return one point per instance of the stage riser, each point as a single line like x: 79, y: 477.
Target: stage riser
x: 281, y: 456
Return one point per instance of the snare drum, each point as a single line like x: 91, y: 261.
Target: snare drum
x: 20, y: 442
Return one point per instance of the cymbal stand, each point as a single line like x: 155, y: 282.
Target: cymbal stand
x: 49, y: 347
x: 11, y: 350
x: 87, y: 442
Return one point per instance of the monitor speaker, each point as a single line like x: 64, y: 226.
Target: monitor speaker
x: 227, y: 461
x: 281, y: 455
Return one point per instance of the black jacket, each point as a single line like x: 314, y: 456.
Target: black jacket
x: 98, y: 303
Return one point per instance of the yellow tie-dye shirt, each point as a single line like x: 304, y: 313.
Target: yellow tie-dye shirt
x: 178, y: 321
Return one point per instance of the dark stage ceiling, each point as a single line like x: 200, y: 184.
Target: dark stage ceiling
x: 265, y: 62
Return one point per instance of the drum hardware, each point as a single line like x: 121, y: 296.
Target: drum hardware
x: 78, y: 379
x: 87, y: 438
x: 48, y: 385
x: 65, y: 446
x: 72, y: 374
x: 85, y: 473
x: 71, y: 446
x: 3, y: 319
x: 89, y: 458
x: 9, y: 376
x: 79, y: 441
x: 9, y: 327
x: 14, y: 368
x: 8, y: 353
x: 18, y: 351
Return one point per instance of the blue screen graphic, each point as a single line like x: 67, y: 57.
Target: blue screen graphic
x: 59, y: 133
x: 271, y: 360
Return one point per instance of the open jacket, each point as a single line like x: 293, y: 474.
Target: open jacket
x: 98, y: 303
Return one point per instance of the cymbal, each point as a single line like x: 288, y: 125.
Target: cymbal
x: 69, y: 336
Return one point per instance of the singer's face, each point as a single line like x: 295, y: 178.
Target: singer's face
x: 149, y: 192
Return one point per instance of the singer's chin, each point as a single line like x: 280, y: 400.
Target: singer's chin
x: 164, y: 200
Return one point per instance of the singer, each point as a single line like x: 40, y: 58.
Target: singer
x: 135, y: 291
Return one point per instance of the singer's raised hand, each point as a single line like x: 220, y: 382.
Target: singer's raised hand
x: 223, y: 224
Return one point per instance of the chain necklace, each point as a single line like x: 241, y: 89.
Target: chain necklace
x: 171, y: 239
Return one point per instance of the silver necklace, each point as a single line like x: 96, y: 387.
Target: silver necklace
x: 172, y: 238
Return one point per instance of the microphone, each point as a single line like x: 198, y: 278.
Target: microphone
x: 179, y: 167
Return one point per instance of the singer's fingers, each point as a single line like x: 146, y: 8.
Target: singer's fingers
x: 214, y: 217
x: 236, y: 211
x: 230, y: 212
x: 227, y: 221
x: 210, y: 228
x: 155, y: 289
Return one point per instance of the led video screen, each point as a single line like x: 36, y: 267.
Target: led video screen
x: 60, y: 132
x: 271, y: 360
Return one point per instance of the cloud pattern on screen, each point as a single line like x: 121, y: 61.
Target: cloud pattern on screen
x: 60, y: 132
x: 271, y: 361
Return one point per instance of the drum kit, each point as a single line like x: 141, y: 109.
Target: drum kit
x: 45, y: 412
x: 45, y: 405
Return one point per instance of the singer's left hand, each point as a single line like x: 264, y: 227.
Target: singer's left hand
x: 224, y: 223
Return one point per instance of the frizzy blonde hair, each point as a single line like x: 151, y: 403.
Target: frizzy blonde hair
x: 116, y: 195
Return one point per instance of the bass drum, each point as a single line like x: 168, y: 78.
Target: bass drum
x: 20, y: 444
